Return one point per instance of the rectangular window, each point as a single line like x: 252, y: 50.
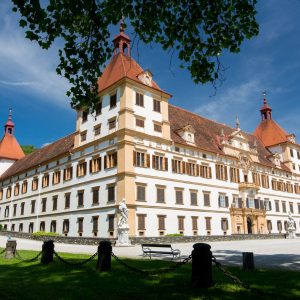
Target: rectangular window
x: 194, y: 200
x: 139, y: 122
x: 194, y: 223
x: 292, y: 152
x: 17, y: 189
x: 80, y: 225
x: 45, y: 180
x: 32, y: 206
x: 179, y: 196
x: 66, y: 226
x: 283, y: 207
x: 67, y: 200
x: 68, y: 173
x: 110, y: 160
x: 291, y: 207
x: 156, y: 105
x: 97, y: 130
x: 85, y: 114
x: 206, y: 197
x: 54, y: 203
x: 111, y: 222
x: 205, y: 171
x: 44, y: 204
x: 95, y: 225
x: 95, y: 165
x: 22, y: 208
x: 139, y: 99
x: 6, y: 211
x: 157, y: 128
x: 112, y: 123
x: 141, y: 193
x: 141, y: 159
x: 35, y: 183
x: 297, y: 189
x: 8, y: 192
x: 289, y: 187
x: 159, y: 162
x: 95, y: 195
x: 265, y: 181
x: 234, y: 174
x: 160, y: 194
x: 191, y: 169
x: 80, y: 195
x: 141, y: 221
x: 221, y: 172
x: 256, y: 178
x: 15, y: 210
x: 180, y: 223
x: 1, y: 194
x: 83, y: 136
x: 56, y: 177
x: 276, y: 205
x: 223, y: 200
x: 111, y: 193
x: 299, y: 208
x: 177, y: 166
x: 208, y: 223
x: 98, y: 108
x: 81, y: 169
x: 224, y: 224
x: 161, y: 222
x: 113, y: 101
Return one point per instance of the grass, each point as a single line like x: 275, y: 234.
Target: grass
x: 20, y: 280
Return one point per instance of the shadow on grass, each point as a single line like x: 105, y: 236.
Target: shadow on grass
x: 57, y: 281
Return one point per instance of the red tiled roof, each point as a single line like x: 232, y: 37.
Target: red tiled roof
x: 10, y: 148
x: 270, y: 133
x: 207, y: 132
x: 119, y: 67
x: 40, y: 156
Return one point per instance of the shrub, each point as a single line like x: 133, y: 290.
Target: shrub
x: 174, y: 234
x: 44, y: 233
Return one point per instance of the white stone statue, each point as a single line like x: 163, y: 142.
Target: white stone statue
x: 123, y: 221
x: 123, y: 227
x: 291, y: 227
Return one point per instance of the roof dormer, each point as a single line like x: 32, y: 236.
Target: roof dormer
x: 146, y: 77
x: 188, y: 134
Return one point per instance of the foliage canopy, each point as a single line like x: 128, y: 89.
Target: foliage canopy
x: 198, y: 31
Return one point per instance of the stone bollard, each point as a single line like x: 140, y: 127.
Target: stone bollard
x: 104, y: 256
x: 248, y: 261
x: 201, y: 266
x: 47, y: 252
x: 10, y: 251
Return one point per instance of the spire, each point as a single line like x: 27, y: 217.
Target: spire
x: 122, y: 41
x: 266, y: 110
x: 9, y: 126
x: 237, y: 123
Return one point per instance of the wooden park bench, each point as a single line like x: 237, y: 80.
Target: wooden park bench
x: 165, y: 249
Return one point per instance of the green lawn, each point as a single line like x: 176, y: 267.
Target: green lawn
x: 20, y: 280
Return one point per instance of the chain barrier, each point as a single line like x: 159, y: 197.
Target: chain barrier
x: 235, y: 279
x: 152, y: 272
x: 20, y: 258
x: 2, y: 251
x: 75, y: 264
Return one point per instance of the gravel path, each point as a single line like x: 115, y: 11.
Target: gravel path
x: 277, y: 253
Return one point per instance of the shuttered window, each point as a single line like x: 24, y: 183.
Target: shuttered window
x: 221, y: 172
x: 206, y: 197
x: 80, y: 225
x: 111, y: 222
x: 111, y: 193
x: 161, y: 222
x: 180, y: 223
x: 81, y: 168
x: 95, y: 164
x: 159, y: 162
x: 141, y: 221
x: 95, y: 191
x: 80, y: 195
x: 179, y: 196
x: 141, y: 193
x: 224, y: 224
x: 111, y: 160
x: 160, y: 194
x: 208, y: 223
x: 141, y: 159
x: 194, y: 200
x: 95, y: 224
x: 194, y: 223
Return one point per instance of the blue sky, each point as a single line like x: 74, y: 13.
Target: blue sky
x: 270, y: 61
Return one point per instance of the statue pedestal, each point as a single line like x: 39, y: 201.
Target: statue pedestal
x: 123, y: 237
x: 291, y: 233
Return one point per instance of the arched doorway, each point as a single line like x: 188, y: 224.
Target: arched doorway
x: 249, y: 225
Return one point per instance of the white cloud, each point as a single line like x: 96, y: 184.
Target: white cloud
x: 26, y: 65
x: 225, y: 103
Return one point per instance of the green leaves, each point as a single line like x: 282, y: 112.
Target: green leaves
x: 197, y: 31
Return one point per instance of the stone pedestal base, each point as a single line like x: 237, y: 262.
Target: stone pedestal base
x: 11, y: 246
x: 291, y: 234
x: 123, y: 237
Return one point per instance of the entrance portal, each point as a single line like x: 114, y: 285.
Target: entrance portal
x: 249, y: 225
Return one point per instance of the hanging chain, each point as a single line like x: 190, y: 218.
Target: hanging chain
x: 152, y: 272
x: 20, y: 258
x: 75, y: 264
x: 235, y: 279
x: 2, y: 251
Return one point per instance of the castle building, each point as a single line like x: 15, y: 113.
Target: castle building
x: 178, y: 171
